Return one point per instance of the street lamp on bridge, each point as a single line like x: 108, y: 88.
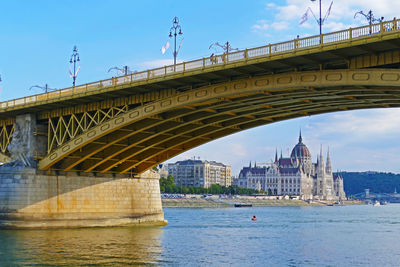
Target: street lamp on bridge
x: 369, y: 16
x: 124, y: 70
x: 173, y: 32
x: 74, y: 59
x: 226, y: 47
x: 45, y: 88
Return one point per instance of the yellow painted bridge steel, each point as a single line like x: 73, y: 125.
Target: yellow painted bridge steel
x: 141, y: 137
x: 6, y: 132
x: 4, y: 158
x: 247, y: 61
x: 64, y: 128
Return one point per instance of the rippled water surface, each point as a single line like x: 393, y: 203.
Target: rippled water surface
x: 282, y: 236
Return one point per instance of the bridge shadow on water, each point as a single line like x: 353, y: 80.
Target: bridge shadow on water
x: 73, y: 247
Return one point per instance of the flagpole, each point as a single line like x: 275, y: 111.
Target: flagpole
x: 320, y: 18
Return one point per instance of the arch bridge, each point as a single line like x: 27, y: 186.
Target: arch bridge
x: 130, y: 123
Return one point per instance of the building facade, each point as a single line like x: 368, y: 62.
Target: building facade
x: 295, y: 176
x: 200, y: 173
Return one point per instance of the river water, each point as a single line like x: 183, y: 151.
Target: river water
x: 282, y: 236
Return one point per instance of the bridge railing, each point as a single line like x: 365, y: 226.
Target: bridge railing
x: 216, y: 60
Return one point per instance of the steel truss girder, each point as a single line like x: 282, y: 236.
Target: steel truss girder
x: 64, y: 128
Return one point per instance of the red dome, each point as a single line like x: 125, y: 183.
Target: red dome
x: 300, y: 150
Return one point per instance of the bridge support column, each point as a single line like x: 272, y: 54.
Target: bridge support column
x: 30, y: 198
x: 28, y: 141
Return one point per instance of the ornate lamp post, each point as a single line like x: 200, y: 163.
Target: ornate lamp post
x: 45, y: 88
x: 369, y: 16
x: 173, y: 32
x: 124, y: 70
x: 74, y: 59
x: 226, y: 47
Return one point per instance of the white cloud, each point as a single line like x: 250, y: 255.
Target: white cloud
x: 341, y: 16
x: 365, y: 123
x: 261, y: 25
x: 280, y: 25
x: 264, y: 27
x: 238, y: 150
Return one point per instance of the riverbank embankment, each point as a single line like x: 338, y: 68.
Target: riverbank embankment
x: 217, y: 202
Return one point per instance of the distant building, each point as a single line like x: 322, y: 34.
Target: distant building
x: 200, y: 173
x: 162, y: 171
x: 295, y: 175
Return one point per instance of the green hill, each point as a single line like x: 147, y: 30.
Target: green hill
x: 377, y: 182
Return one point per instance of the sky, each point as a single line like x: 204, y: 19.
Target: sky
x: 37, y: 38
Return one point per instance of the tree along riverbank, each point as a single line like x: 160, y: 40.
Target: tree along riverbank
x: 210, y: 202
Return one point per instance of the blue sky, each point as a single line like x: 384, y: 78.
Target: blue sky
x: 37, y: 38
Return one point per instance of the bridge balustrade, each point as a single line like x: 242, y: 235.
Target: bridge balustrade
x: 243, y: 55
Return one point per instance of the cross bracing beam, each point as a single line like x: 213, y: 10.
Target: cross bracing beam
x: 147, y: 134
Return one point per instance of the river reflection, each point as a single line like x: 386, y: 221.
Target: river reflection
x: 282, y: 236
x: 71, y: 247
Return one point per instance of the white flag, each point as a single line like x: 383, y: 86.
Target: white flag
x: 180, y: 45
x: 74, y: 74
x: 304, y: 18
x: 329, y: 11
x: 165, y: 47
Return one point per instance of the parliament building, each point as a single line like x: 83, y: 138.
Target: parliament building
x: 295, y: 176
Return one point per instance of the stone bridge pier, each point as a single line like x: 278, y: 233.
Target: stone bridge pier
x: 30, y: 198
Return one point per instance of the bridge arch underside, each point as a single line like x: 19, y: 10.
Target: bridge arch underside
x: 150, y: 134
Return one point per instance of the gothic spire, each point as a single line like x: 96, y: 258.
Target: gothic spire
x: 281, y: 153
x: 321, y: 160
x: 250, y: 164
x: 320, y: 155
x: 300, y: 138
x: 276, y: 155
x: 328, y: 163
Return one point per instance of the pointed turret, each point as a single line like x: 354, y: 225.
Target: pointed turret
x: 281, y: 154
x: 276, y: 155
x: 255, y: 164
x: 320, y: 162
x: 250, y: 164
x: 300, y: 138
x: 328, y: 163
x: 321, y: 159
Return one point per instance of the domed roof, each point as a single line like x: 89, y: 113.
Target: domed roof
x: 300, y: 150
